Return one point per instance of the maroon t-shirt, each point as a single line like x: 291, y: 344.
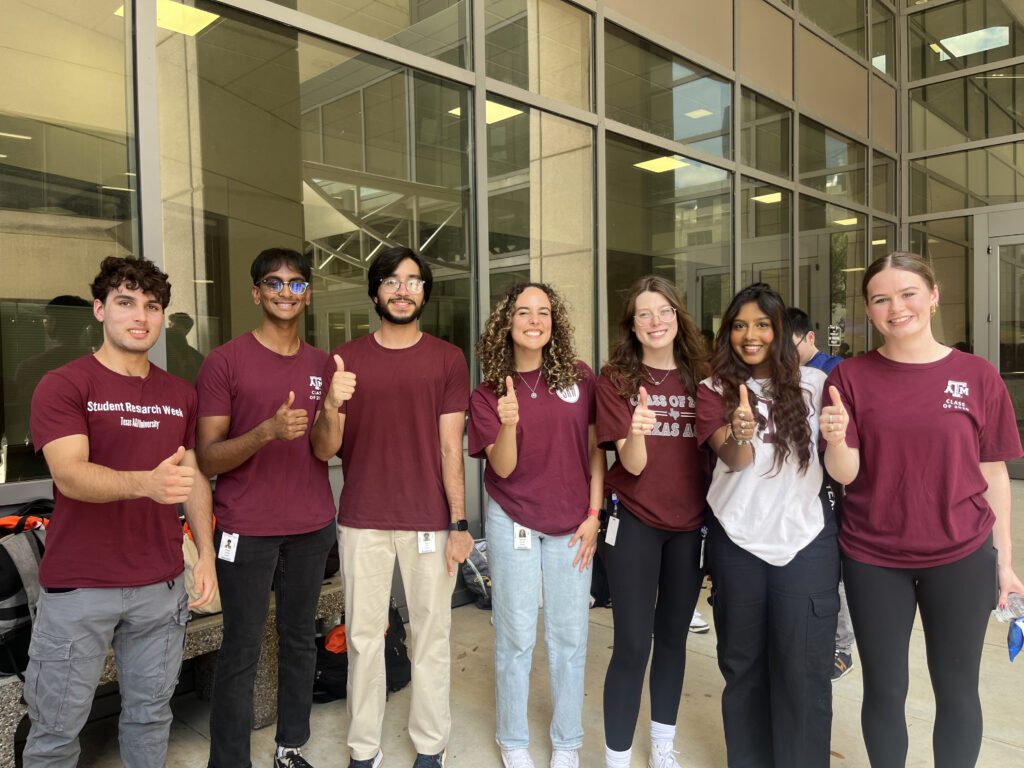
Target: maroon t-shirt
x: 132, y: 424
x: 922, y: 431
x: 283, y: 488
x: 669, y: 493
x: 391, y: 452
x: 549, y: 490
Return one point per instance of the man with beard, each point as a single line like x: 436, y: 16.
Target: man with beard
x: 400, y: 438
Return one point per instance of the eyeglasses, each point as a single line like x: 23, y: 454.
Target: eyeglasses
x: 276, y: 284
x: 646, y: 317
x: 392, y: 284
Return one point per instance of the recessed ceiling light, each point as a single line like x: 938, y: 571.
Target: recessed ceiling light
x: 879, y: 242
x: 698, y: 113
x: 16, y: 136
x: 175, y: 17
x: 853, y: 269
x: 771, y: 197
x: 495, y: 112
x: 661, y: 164
x: 845, y: 222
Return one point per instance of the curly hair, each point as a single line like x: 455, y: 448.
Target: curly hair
x: 135, y: 274
x: 625, y: 364
x: 791, y: 406
x: 497, y: 360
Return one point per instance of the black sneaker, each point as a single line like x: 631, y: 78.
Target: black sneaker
x: 291, y: 758
x: 843, y: 665
x: 373, y: 762
x: 431, y: 761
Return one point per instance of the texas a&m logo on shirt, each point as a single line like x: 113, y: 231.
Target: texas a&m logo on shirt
x: 316, y: 385
x: 957, y: 390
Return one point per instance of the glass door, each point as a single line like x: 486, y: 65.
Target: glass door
x: 1009, y: 256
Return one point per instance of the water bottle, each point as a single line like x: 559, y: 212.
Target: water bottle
x: 1014, y: 608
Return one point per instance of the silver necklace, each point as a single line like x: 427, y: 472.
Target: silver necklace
x: 651, y: 375
x: 533, y: 389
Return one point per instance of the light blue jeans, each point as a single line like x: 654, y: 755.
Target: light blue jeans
x: 516, y: 579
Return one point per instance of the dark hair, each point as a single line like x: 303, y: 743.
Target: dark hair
x: 798, y: 322
x: 273, y: 258
x: 625, y: 363
x: 790, y: 401
x: 558, y: 358
x: 908, y: 262
x: 386, y: 262
x: 135, y: 275
x: 182, y: 321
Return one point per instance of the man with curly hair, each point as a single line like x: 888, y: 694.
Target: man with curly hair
x: 118, y: 434
x: 400, y: 437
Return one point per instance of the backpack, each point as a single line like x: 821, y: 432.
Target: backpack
x: 396, y: 654
x: 21, y: 548
x: 476, y: 573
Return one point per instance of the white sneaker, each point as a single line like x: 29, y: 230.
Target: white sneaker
x: 662, y: 755
x: 565, y: 758
x: 516, y: 758
x: 697, y: 624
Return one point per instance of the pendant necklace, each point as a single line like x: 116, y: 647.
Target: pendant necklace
x: 533, y: 389
x: 653, y: 381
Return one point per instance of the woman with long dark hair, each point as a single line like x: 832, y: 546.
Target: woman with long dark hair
x: 532, y: 420
x: 772, y: 542
x: 920, y: 434
x: 646, y: 413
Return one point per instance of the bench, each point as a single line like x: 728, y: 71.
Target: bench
x: 202, y: 640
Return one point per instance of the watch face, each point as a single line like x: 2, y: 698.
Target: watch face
x: 459, y: 525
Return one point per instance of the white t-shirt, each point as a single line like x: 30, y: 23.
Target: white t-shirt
x: 771, y: 515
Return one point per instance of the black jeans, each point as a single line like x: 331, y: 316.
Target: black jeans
x: 295, y: 567
x: 776, y: 629
x: 955, y: 602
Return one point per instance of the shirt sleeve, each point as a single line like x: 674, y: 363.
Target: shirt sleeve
x: 456, y: 390
x: 191, y: 417
x: 999, y: 439
x: 587, y: 385
x: 710, y: 408
x: 214, y: 386
x: 613, y: 414
x: 483, y: 421
x: 58, y: 410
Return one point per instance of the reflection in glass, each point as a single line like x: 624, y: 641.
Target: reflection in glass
x: 830, y: 162
x: 767, y: 236
x: 982, y: 106
x: 843, y: 19
x: 541, y: 210
x: 976, y: 177
x: 652, y: 89
x: 883, y: 183
x: 948, y: 245
x: 833, y: 249
x: 961, y: 35
x: 67, y: 196
x: 883, y: 39
x: 1011, y: 331
x: 555, y: 61
x: 675, y: 223
x: 883, y: 240
x: 767, y: 135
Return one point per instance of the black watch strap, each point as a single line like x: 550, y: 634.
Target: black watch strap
x: 459, y: 525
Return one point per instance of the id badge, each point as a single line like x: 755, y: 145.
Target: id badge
x: 228, y: 547
x: 521, y: 537
x: 613, y: 530
x: 426, y: 542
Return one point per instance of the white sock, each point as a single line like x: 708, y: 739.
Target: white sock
x: 662, y: 733
x: 280, y: 750
x: 613, y: 759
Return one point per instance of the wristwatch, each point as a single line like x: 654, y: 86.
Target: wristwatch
x: 459, y: 525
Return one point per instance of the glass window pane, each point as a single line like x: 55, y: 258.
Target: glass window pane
x: 766, y: 251
x: 301, y: 143
x: 67, y: 195
x: 843, y: 19
x: 883, y: 183
x: 965, y: 34
x: 651, y: 89
x: 549, y: 53
x: 883, y: 39
x: 969, y: 179
x: 540, y: 173
x: 832, y: 252
x: 883, y: 240
x: 949, y: 245
x: 970, y: 108
x: 668, y: 216
x: 831, y: 163
x: 434, y: 28
x: 767, y: 135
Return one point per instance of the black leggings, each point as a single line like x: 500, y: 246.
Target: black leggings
x: 655, y: 578
x: 955, y: 602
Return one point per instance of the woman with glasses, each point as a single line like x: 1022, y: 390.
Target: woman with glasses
x: 645, y: 413
x: 774, y: 559
x: 920, y: 435
x: 532, y: 419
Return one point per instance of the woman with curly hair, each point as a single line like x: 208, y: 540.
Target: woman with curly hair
x: 646, y: 414
x: 532, y: 419
x: 774, y: 559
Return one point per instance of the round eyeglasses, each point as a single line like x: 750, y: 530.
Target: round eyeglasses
x: 646, y: 317
x: 276, y: 284
x: 392, y: 284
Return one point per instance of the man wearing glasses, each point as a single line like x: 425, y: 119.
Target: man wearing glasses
x: 274, y: 510
x: 400, y: 437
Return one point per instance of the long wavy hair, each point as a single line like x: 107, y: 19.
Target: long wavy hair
x: 790, y: 401
x: 558, y: 358
x: 625, y: 364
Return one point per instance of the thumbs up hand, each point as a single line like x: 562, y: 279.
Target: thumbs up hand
x: 834, y: 419
x: 644, y: 420
x: 343, y: 385
x: 289, y: 423
x: 171, y: 483
x: 508, y: 405
x: 742, y: 423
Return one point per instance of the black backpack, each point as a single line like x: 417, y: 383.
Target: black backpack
x: 20, y: 553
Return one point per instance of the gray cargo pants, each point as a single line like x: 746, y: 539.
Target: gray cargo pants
x: 72, y: 633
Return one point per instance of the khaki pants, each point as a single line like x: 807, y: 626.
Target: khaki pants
x: 367, y: 563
